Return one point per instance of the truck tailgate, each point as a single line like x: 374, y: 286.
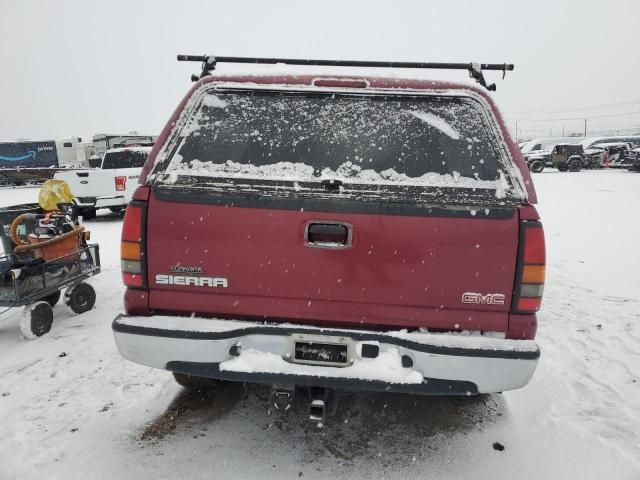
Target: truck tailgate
x: 89, y: 183
x: 407, y: 270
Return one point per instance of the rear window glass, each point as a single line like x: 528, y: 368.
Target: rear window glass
x: 423, y: 141
x: 124, y: 159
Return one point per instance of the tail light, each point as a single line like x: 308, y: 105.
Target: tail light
x: 121, y: 183
x: 530, y: 274
x: 132, y: 257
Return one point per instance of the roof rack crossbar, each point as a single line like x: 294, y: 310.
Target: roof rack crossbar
x: 475, y: 70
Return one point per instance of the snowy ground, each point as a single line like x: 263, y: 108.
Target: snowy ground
x: 71, y: 407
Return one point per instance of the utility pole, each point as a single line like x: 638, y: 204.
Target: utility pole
x: 585, y: 127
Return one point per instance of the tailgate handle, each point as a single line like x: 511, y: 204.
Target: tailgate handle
x: 82, y: 174
x: 326, y: 234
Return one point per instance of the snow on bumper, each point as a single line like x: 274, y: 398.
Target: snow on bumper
x: 404, y: 361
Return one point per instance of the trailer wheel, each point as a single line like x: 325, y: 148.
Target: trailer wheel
x: 53, y: 298
x: 36, y: 320
x: 536, y: 166
x: 191, y: 382
x: 80, y: 298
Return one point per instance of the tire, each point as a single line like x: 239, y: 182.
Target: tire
x: 563, y: 167
x: 191, y: 382
x: 87, y: 213
x: 53, y: 298
x: 36, y: 320
x: 80, y: 298
x: 536, y: 166
x: 574, y: 165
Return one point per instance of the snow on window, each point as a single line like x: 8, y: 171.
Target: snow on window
x: 380, y: 139
x: 213, y: 101
x: 438, y: 123
x: 345, y: 172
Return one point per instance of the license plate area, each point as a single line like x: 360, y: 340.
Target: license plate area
x: 321, y: 350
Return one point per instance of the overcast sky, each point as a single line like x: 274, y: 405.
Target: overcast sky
x: 78, y: 67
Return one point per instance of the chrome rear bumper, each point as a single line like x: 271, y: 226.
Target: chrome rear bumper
x: 428, y: 363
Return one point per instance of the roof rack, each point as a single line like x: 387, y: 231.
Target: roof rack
x: 209, y: 63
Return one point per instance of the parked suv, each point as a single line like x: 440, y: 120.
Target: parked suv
x: 537, y: 152
x: 337, y: 233
x: 574, y: 158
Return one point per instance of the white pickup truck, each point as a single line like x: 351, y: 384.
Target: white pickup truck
x: 109, y: 186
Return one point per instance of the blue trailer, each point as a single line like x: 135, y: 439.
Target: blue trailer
x: 28, y: 161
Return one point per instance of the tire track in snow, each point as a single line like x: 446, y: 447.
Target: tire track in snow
x: 596, y: 357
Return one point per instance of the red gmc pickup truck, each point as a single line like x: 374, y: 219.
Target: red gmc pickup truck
x: 338, y: 232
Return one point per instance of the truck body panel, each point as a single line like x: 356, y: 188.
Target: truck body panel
x: 400, y: 270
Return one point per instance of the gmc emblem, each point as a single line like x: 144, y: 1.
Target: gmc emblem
x: 483, y: 299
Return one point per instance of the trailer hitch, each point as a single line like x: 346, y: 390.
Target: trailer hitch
x: 323, y: 403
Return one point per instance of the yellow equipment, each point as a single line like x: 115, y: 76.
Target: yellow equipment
x: 52, y: 193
